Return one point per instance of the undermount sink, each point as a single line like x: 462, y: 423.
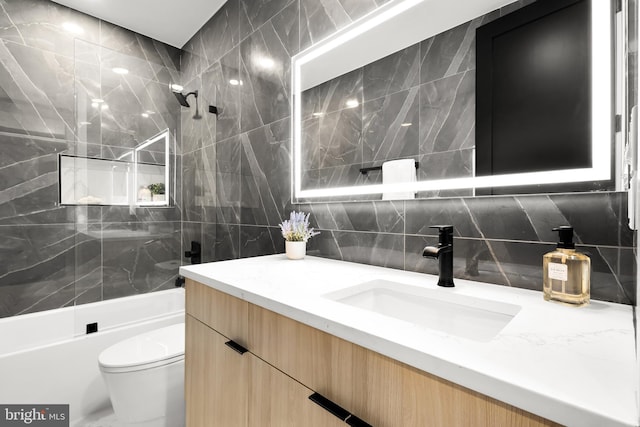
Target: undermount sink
x: 443, y: 310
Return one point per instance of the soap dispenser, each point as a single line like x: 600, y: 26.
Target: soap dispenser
x: 566, y: 272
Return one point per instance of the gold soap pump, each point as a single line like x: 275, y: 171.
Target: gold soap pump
x: 566, y: 272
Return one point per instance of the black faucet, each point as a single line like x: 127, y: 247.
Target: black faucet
x: 444, y: 253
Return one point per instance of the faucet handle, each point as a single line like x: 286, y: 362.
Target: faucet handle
x: 445, y: 233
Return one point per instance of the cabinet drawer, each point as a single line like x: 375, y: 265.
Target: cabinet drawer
x: 220, y: 311
x: 377, y: 389
x: 318, y: 360
x: 275, y: 400
x: 216, y: 379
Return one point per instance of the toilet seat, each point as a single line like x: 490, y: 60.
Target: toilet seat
x: 145, y: 351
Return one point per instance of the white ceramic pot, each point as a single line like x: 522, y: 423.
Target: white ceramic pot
x: 295, y: 250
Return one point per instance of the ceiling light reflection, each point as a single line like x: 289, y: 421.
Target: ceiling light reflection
x: 73, y: 28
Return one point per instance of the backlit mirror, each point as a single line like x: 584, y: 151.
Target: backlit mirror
x: 400, y: 84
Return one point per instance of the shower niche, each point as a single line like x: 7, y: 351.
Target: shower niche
x: 138, y: 177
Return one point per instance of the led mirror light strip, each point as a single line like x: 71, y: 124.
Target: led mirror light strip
x: 162, y: 135
x: 601, y: 116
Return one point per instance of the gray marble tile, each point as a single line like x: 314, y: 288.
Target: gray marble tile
x: 451, y: 52
x: 228, y: 180
x: 38, y: 87
x: 45, y: 25
x: 379, y: 217
x: 266, y: 174
x: 88, y: 120
x: 87, y: 53
x: 209, y: 242
x: 394, y: 73
x: 258, y: 241
x: 134, y: 45
x: 227, y: 242
x: 255, y: 13
x: 319, y: 19
x: 38, y: 268
x: 195, y: 133
x: 519, y: 264
x: 88, y: 263
x: 594, y: 217
x: 527, y: 218
x: 384, y: 136
x: 448, y: 164
x: 223, y: 78
x: 209, y: 179
x: 421, y: 214
x: 135, y: 109
x: 447, y: 114
x: 29, y: 181
x: 193, y: 60
x: 265, y: 69
x: 192, y: 186
x: 385, y: 250
x: 333, y: 139
x: 136, y: 257
x: 338, y: 176
x: 221, y: 32
x: 332, y: 95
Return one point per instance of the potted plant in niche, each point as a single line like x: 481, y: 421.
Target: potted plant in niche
x: 296, y: 232
x: 157, y: 192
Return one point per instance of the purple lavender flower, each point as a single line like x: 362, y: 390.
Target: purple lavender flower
x: 296, y: 228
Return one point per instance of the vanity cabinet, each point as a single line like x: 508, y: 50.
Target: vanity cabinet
x: 288, y: 361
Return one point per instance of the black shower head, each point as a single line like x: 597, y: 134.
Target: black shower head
x: 182, y: 99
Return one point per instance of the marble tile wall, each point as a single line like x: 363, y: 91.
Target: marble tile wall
x: 246, y: 163
x: 417, y: 103
x: 50, y: 255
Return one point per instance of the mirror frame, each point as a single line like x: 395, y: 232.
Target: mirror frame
x: 602, y: 111
x: 158, y: 137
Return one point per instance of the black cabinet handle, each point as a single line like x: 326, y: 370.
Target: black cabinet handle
x: 329, y: 406
x: 236, y: 347
x: 354, y: 421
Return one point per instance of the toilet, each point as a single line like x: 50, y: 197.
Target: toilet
x: 145, y: 378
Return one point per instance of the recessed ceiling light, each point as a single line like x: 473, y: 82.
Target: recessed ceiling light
x: 149, y: 112
x: 94, y: 104
x: 352, y: 103
x: 145, y: 115
x: 73, y: 28
x: 235, y: 82
x: 104, y: 106
x: 84, y: 123
x: 120, y: 70
x: 406, y: 124
x: 97, y: 100
x: 318, y: 114
x: 176, y: 87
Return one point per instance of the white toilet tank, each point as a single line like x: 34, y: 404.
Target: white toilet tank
x: 145, y: 377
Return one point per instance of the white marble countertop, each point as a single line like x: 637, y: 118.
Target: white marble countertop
x: 575, y: 366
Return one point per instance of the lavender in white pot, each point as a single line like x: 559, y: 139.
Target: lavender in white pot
x: 296, y: 232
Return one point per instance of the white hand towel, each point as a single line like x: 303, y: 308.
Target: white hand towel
x: 396, y: 172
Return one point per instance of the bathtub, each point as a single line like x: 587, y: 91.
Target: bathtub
x: 48, y: 358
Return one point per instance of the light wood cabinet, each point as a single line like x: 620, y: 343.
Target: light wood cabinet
x: 216, y: 380
x: 290, y: 360
x: 276, y: 400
